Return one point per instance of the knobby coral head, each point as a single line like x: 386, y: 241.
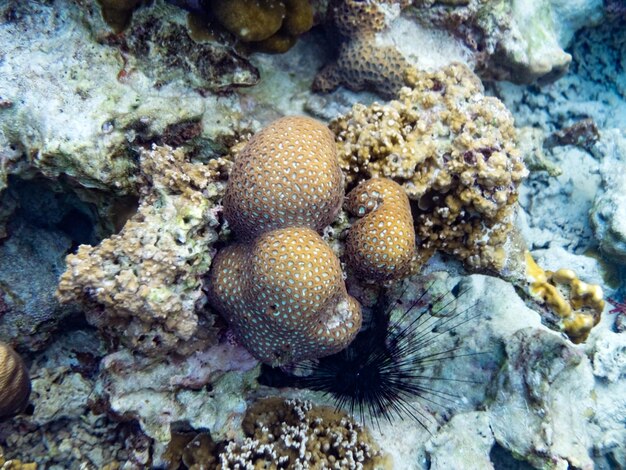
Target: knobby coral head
x: 287, y: 176
x: 281, y: 287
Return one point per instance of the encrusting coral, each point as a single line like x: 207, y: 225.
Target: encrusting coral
x: 283, y: 434
x: 381, y: 244
x: 286, y: 176
x: 118, y: 13
x: 285, y: 297
x: 143, y: 285
x: 281, y: 287
x: 578, y: 305
x: 14, y: 382
x: 453, y: 151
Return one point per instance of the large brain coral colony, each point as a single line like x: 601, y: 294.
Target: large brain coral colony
x: 281, y: 288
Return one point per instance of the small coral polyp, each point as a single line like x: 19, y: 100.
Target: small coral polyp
x: 281, y: 287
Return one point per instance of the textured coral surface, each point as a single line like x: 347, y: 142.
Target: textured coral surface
x: 286, y: 176
x: 142, y: 286
x: 284, y: 294
x: 14, y: 382
x: 453, y: 151
x: 286, y: 434
x: 381, y: 244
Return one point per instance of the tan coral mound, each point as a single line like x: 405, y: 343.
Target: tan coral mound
x: 290, y: 434
x: 143, y: 285
x: 286, y: 176
x: 284, y: 295
x: 14, y: 382
x: 362, y: 64
x: 453, y: 150
x: 364, y: 61
x: 381, y: 245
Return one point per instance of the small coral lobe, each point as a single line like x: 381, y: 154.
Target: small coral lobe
x: 381, y: 243
x: 287, y: 175
x: 285, y: 297
x: 14, y: 382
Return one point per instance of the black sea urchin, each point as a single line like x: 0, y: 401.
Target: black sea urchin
x: 389, y: 365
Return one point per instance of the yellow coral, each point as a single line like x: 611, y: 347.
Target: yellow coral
x: 578, y: 305
x: 452, y: 150
x: 381, y: 245
x: 14, y: 464
x: 14, y: 382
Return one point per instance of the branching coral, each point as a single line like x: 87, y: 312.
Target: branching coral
x: 453, y: 151
x: 142, y: 286
x: 578, y: 305
x: 381, y: 245
x: 286, y: 176
x: 294, y: 434
x: 14, y: 382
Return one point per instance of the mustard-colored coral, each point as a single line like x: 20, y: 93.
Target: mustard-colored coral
x: 143, y: 285
x: 286, y: 176
x: 453, y: 151
x: 14, y: 382
x: 381, y: 244
x: 290, y: 434
x: 577, y: 304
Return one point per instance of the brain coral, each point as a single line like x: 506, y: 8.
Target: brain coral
x: 286, y: 176
x: 142, y: 286
x: 284, y: 296
x: 14, y: 382
x: 381, y: 245
x: 453, y: 150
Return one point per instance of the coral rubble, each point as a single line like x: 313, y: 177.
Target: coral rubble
x: 453, y: 151
x: 381, y: 243
x: 142, y: 286
x: 14, y: 382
